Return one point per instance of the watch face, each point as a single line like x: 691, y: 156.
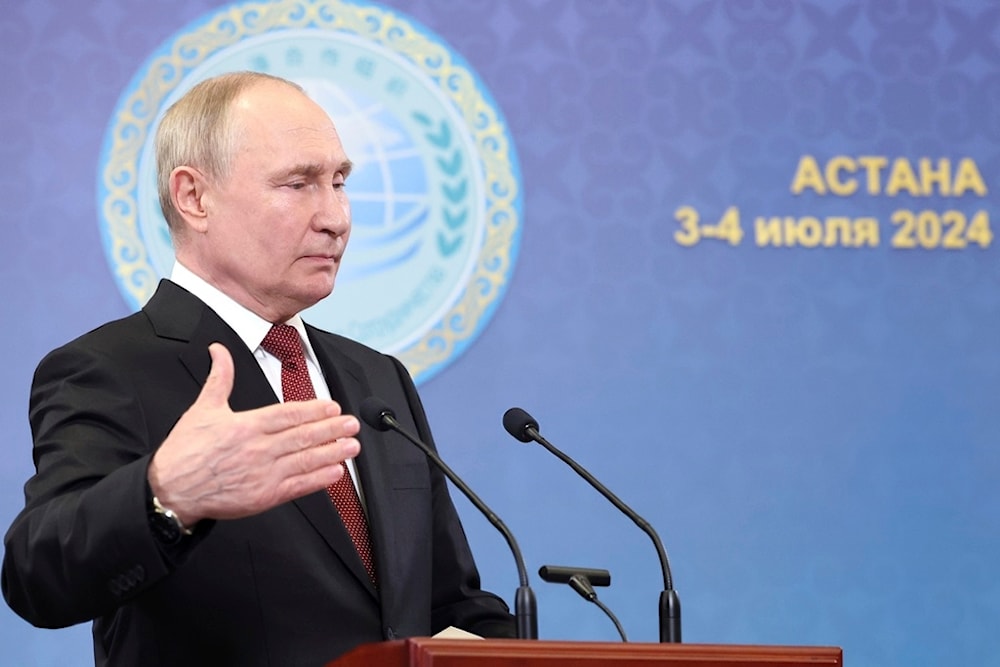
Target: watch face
x: 164, y: 528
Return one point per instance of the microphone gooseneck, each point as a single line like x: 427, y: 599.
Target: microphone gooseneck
x: 523, y: 426
x: 376, y: 413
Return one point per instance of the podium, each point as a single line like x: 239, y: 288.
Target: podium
x: 428, y: 652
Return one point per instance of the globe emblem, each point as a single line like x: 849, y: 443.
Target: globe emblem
x: 434, y: 191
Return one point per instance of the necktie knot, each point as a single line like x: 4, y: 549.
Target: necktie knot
x: 284, y: 343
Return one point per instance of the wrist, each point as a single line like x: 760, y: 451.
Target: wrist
x: 166, y: 525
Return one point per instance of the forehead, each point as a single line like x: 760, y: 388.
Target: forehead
x: 274, y: 117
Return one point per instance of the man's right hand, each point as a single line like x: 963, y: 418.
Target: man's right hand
x: 220, y: 464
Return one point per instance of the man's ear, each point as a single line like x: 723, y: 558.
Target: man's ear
x: 187, y: 189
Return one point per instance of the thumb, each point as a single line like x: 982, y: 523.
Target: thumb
x: 219, y: 384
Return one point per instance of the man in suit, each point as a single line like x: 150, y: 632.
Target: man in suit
x: 184, y: 494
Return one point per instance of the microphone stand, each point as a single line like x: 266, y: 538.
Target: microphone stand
x: 381, y: 417
x: 520, y: 424
x: 670, y: 603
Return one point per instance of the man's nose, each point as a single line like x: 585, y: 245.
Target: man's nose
x: 334, y: 214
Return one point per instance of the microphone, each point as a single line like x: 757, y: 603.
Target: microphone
x: 560, y: 574
x: 377, y: 414
x: 522, y: 426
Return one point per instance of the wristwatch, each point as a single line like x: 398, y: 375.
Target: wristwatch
x: 166, y: 526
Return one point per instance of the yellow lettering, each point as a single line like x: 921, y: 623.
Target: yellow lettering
x: 834, y: 167
x: 805, y: 231
x: 954, y: 228
x: 968, y: 178
x: 767, y: 231
x: 810, y: 232
x: 808, y: 176
x: 902, y: 178
x: 873, y: 166
x: 905, y: 236
x: 928, y: 229
x: 688, y: 235
x: 841, y: 175
x: 979, y: 229
x: 838, y: 232
x: 729, y: 228
x: 929, y: 176
x: 865, y: 232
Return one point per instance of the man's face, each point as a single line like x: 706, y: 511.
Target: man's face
x: 278, y: 224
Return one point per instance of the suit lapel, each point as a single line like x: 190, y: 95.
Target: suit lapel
x: 177, y: 314
x: 251, y: 389
x: 348, y: 385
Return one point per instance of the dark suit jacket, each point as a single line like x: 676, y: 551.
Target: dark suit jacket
x: 285, y: 587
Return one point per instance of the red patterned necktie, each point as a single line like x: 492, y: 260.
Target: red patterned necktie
x: 284, y: 343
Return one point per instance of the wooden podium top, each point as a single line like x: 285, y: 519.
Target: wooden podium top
x: 427, y: 652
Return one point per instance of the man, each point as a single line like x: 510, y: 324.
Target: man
x: 177, y: 502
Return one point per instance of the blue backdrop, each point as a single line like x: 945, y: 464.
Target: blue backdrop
x: 798, y: 388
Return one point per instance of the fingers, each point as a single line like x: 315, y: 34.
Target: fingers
x: 287, y: 478
x: 291, y: 488
x: 307, y: 470
x: 283, y: 416
x: 311, y: 450
x: 311, y: 456
x: 316, y: 444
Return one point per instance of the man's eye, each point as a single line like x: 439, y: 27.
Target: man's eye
x: 296, y: 186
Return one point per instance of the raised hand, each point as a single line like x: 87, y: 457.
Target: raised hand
x: 220, y: 464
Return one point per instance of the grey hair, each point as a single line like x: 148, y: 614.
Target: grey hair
x: 199, y: 131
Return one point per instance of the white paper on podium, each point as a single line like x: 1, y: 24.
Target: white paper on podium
x: 451, y: 632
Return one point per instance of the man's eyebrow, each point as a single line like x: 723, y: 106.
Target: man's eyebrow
x: 312, y: 170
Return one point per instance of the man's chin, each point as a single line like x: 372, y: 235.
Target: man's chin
x: 317, y: 292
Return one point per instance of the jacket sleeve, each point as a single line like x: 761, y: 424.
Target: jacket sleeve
x: 82, y: 546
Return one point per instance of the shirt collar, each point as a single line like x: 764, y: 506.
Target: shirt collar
x: 248, y: 325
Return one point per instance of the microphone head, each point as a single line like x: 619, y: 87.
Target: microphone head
x: 376, y: 413
x: 517, y: 422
